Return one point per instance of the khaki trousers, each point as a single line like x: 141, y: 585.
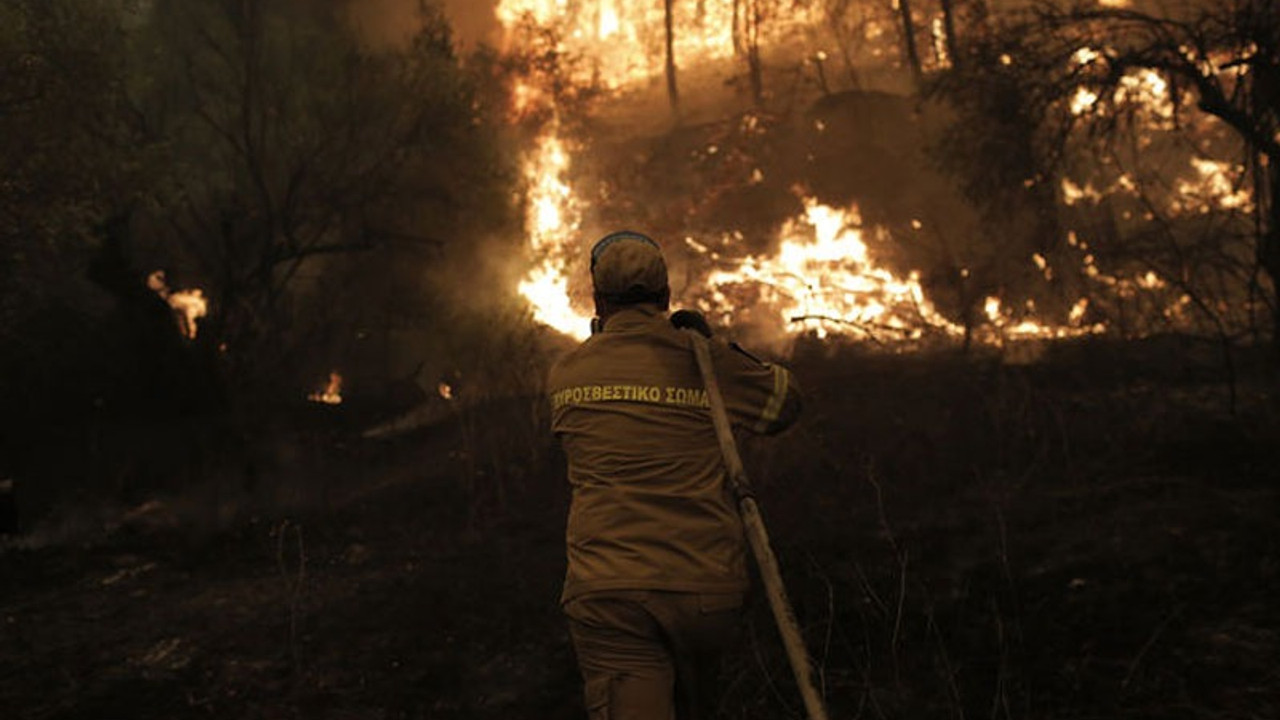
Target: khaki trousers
x: 649, y: 654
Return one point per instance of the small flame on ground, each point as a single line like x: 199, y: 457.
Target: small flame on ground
x: 823, y: 280
x: 332, y: 393
x: 445, y: 390
x: 188, y: 305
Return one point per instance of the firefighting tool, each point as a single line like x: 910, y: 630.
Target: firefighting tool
x: 757, y: 536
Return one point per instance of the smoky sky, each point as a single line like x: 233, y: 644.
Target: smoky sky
x: 473, y: 21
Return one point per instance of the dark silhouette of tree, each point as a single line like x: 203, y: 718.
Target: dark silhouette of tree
x: 294, y: 145
x: 909, y: 49
x: 748, y: 18
x: 71, y: 155
x: 673, y: 91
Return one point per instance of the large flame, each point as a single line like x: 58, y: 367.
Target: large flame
x: 553, y: 222
x: 823, y: 277
x: 625, y: 41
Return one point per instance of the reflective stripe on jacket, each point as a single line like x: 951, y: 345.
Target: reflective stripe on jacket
x: 650, y: 508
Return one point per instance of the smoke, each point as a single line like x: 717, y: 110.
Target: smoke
x: 392, y: 22
x: 474, y: 21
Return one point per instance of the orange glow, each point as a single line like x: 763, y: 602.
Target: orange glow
x: 823, y: 276
x: 1144, y: 89
x: 823, y: 280
x: 1217, y: 185
x: 624, y: 41
x: 332, y: 392
x: 553, y: 221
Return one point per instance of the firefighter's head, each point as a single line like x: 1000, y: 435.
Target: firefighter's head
x: 627, y: 269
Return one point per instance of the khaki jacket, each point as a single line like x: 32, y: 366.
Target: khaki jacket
x: 650, y: 506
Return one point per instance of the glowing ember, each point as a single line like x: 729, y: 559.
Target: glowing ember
x: 1144, y: 89
x: 332, y: 393
x: 1005, y: 329
x: 445, y: 390
x: 188, y: 305
x: 1218, y: 185
x: 1083, y: 100
x: 1149, y: 90
x: 1073, y: 194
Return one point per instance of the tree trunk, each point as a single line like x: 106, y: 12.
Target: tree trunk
x: 1269, y: 248
x: 909, y: 41
x: 753, y: 52
x: 673, y: 91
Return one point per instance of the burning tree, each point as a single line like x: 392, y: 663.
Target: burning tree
x: 1228, y: 56
x: 1175, y: 167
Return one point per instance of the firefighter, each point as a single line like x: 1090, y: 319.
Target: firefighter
x: 657, y: 566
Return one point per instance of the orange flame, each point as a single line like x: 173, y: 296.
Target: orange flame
x: 823, y: 278
x: 625, y: 40
x: 553, y: 220
x: 188, y: 305
x: 332, y: 393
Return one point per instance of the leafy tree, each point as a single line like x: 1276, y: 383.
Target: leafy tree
x: 62, y: 146
x: 291, y: 146
x: 63, y: 143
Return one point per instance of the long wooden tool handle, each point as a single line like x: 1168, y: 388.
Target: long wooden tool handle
x: 757, y: 536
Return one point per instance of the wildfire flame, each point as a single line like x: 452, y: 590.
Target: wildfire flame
x: 553, y: 221
x: 1216, y: 184
x: 823, y: 277
x: 188, y: 305
x: 332, y: 392
x: 625, y: 41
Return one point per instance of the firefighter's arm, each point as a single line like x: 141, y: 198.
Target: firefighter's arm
x: 760, y: 397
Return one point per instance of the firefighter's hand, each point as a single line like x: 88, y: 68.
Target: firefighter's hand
x: 682, y: 319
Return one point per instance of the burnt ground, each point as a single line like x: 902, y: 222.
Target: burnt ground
x: 1093, y: 536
